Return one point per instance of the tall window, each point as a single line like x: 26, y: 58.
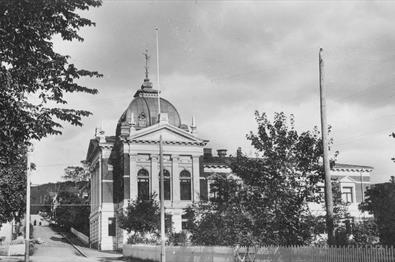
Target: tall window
x: 166, y: 178
x: 185, y: 185
x: 143, y: 184
x: 203, y: 189
x: 347, y: 195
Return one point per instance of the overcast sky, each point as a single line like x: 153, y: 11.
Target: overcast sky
x: 221, y: 61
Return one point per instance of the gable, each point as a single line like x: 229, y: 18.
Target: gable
x: 168, y: 133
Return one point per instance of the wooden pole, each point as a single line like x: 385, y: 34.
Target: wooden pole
x: 324, y: 131
x: 162, y: 203
x: 27, y: 218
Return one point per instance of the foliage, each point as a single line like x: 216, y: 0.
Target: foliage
x: 178, y: 239
x: 72, y: 211
x: 34, y: 79
x: 380, y: 201
x: 341, y: 218
x: 12, y: 186
x: 365, y: 233
x: 76, y: 174
x: 142, y: 218
x: 268, y: 206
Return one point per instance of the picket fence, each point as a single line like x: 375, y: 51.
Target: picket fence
x: 313, y: 254
x: 262, y: 254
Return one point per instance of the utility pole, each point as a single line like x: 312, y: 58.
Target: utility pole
x: 162, y: 203
x: 27, y: 216
x: 324, y: 132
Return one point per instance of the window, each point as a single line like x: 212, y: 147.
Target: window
x: 347, y: 194
x: 185, y: 224
x: 185, y: 185
x: 203, y: 189
x: 166, y: 180
x: 143, y: 184
x: 111, y: 226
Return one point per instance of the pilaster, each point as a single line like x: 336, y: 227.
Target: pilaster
x: 155, y: 175
x: 176, y: 177
x: 196, y: 179
x: 133, y: 176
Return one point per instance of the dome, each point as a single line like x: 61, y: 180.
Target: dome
x: 143, y: 110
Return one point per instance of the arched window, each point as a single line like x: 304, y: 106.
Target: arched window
x: 166, y: 180
x: 143, y: 184
x: 185, y: 185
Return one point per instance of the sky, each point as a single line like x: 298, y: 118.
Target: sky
x: 222, y: 60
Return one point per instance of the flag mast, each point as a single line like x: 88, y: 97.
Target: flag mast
x: 162, y: 185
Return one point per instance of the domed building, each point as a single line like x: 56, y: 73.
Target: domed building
x: 126, y: 165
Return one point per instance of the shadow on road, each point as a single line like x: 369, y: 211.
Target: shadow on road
x: 60, y: 239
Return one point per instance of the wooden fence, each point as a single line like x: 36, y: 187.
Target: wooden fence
x: 315, y: 254
x: 261, y: 254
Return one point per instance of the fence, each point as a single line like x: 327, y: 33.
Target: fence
x: 262, y: 254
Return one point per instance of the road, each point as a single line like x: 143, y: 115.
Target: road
x: 54, y: 247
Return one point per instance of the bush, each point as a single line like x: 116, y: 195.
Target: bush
x: 178, y: 239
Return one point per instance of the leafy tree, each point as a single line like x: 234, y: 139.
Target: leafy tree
x: 34, y: 78
x: 72, y: 211
x: 142, y: 217
x: 76, y: 174
x: 12, y: 186
x: 222, y: 221
x: 269, y: 205
x: 380, y: 201
x: 281, y: 180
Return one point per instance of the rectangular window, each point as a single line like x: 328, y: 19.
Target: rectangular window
x: 143, y: 188
x: 111, y: 226
x: 184, y: 223
x: 166, y: 184
x: 185, y: 187
x: 203, y: 189
x: 347, y: 194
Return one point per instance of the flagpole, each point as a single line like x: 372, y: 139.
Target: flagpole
x: 162, y: 184
x: 157, y: 67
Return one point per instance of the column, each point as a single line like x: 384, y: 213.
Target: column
x: 133, y: 176
x: 126, y: 178
x: 154, y: 175
x: 175, y: 171
x: 195, y: 179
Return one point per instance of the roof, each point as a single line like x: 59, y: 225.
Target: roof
x: 143, y: 109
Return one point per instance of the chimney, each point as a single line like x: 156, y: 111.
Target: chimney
x: 221, y: 152
x: 207, y: 152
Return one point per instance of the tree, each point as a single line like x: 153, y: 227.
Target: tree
x: 30, y: 70
x: 12, y: 186
x: 281, y: 180
x: 72, y: 211
x: 269, y: 205
x: 141, y: 218
x: 76, y: 174
x: 380, y: 201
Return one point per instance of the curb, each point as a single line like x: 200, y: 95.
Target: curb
x: 71, y: 243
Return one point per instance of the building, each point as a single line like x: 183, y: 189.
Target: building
x: 127, y: 165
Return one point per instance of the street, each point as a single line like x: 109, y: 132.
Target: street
x: 54, y: 247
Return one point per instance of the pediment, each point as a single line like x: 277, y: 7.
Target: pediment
x: 170, y: 134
